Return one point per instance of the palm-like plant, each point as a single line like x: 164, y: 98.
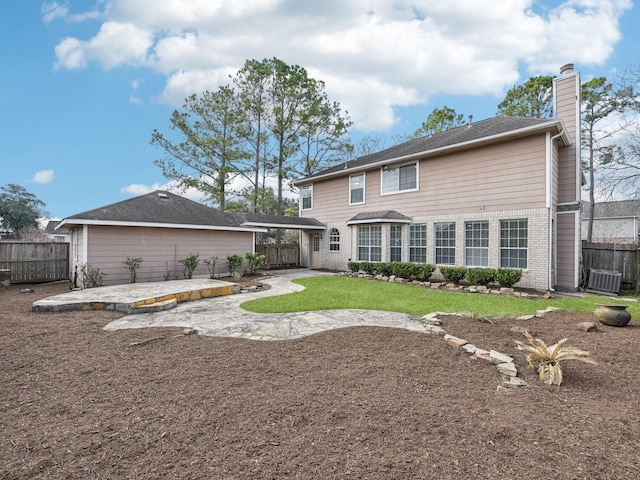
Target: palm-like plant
x: 551, y: 357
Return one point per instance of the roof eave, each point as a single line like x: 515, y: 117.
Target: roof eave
x: 184, y: 226
x: 449, y: 148
x: 292, y: 226
x: 377, y: 220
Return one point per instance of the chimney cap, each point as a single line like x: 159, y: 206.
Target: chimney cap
x: 566, y: 69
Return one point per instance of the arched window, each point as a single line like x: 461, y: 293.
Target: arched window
x: 334, y: 240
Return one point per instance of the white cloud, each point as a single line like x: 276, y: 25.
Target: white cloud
x: 115, y: 44
x: 43, y: 176
x: 138, y: 189
x: 53, y: 10
x: 374, y: 55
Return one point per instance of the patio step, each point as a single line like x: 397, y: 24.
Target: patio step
x: 153, y: 306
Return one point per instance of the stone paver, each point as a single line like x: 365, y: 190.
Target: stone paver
x: 223, y: 316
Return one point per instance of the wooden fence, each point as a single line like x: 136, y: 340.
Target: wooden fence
x: 621, y: 258
x: 35, y: 262
x: 283, y: 256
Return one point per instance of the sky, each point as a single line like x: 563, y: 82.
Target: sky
x: 85, y: 83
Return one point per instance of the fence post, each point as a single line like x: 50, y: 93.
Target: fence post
x: 637, y: 290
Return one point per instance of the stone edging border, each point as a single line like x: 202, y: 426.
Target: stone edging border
x: 504, y: 363
x: 452, y: 287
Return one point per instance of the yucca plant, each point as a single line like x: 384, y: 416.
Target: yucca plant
x: 550, y: 358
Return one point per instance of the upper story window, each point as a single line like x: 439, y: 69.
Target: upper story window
x: 306, y: 197
x: 356, y: 189
x: 400, y: 179
x: 334, y: 240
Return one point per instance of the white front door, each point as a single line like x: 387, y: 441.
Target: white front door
x: 315, y: 250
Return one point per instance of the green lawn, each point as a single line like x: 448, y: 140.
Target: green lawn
x: 324, y: 293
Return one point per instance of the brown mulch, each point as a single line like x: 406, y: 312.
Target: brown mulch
x: 358, y: 403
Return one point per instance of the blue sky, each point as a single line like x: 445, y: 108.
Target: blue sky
x: 85, y: 83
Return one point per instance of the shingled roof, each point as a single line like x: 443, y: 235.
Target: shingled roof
x: 161, y: 208
x: 467, y: 135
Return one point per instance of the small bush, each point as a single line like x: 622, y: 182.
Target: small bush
x: 91, y: 277
x: 453, y: 274
x: 133, y: 263
x: 234, y: 261
x: 480, y: 276
x: 211, y: 266
x: 353, y: 266
x: 254, y: 261
x: 422, y: 271
x: 508, y: 277
x: 367, y: 267
x: 190, y: 262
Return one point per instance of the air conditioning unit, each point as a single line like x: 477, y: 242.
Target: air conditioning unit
x: 604, y: 281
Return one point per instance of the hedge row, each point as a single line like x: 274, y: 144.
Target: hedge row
x: 506, y: 277
x: 411, y: 271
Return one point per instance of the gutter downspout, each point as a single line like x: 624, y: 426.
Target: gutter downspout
x: 552, y: 238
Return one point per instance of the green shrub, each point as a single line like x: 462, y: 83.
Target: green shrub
x: 368, y: 267
x: 190, y: 262
x: 413, y: 271
x: 480, y: 276
x: 254, y: 261
x: 508, y: 277
x: 422, y: 271
x: 133, y: 263
x: 234, y: 261
x: 453, y: 274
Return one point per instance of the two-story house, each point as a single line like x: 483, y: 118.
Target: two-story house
x: 502, y: 193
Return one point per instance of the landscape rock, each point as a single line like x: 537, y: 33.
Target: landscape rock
x: 469, y: 348
x: 516, y: 381
x: 507, y: 369
x: 587, y: 326
x: 497, y: 357
x: 454, y: 342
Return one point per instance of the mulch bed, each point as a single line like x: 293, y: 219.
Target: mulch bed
x: 357, y: 403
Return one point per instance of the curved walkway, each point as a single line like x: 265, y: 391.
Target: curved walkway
x: 223, y: 317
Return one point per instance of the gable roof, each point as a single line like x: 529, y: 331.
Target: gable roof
x: 166, y: 209
x: 614, y: 209
x: 52, y: 228
x: 466, y: 136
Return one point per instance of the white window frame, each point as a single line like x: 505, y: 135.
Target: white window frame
x: 476, y: 246
x: 351, y: 189
x: 514, y: 244
x: 369, y: 241
x: 418, y: 245
x: 447, y: 243
x: 393, y: 246
x: 334, y: 240
x: 303, y: 189
x: 385, y: 171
